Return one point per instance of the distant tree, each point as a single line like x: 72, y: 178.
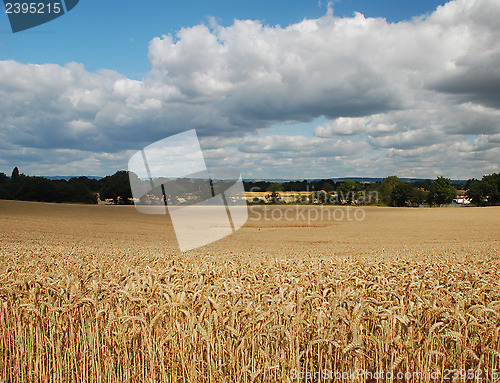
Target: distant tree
x: 386, y: 188
x: 470, y: 182
x: 301, y: 198
x: 15, y: 173
x: 3, y: 179
x: 405, y: 195
x: 327, y: 186
x: 486, y: 191
x: 4, y: 186
x: 459, y: 186
x: 275, y: 186
x: 92, y: 184
x: 80, y: 192
x: 321, y: 197
x: 295, y: 185
x: 349, y: 191
x: 371, y: 193
x: 491, y: 187
x: 441, y: 192
x: 274, y: 196
x: 116, y: 187
x: 21, y: 188
x: 475, y: 192
x: 423, y: 184
x: 256, y: 186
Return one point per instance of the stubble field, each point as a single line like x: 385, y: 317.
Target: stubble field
x: 101, y: 294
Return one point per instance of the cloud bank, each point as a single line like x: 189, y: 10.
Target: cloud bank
x: 415, y: 98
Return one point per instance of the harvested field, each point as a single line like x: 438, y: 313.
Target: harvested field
x: 101, y: 294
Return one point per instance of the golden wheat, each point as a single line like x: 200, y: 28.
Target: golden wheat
x: 76, y: 311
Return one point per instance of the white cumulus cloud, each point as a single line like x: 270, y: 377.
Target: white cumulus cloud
x: 415, y: 96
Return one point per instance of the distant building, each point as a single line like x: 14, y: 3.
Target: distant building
x: 462, y: 198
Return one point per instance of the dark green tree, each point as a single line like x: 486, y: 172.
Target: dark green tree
x: 274, y: 196
x: 475, y: 192
x: 15, y: 173
x: 405, y: 195
x: 116, y: 187
x: 4, y: 186
x: 90, y: 183
x: 349, y: 191
x: 423, y: 184
x: 321, y: 197
x: 4, y: 180
x: 301, y: 198
x: 491, y: 188
x: 441, y: 192
x: 385, y: 189
x: 486, y: 191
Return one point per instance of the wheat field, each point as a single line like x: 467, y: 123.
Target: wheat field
x: 101, y: 294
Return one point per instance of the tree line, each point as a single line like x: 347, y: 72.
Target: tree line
x: 75, y: 190
x: 391, y: 191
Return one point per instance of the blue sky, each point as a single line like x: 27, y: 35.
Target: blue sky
x: 400, y: 88
x: 115, y: 34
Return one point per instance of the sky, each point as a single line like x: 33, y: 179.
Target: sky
x: 277, y: 89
